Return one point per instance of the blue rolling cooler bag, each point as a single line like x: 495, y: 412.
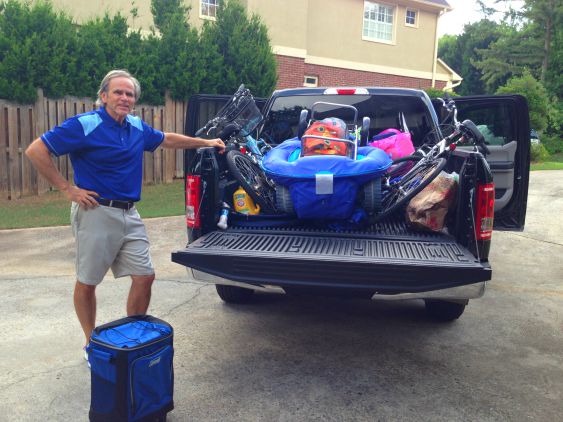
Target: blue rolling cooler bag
x: 132, y: 372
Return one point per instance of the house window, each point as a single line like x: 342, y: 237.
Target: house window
x: 411, y: 18
x: 378, y: 22
x: 208, y: 8
x: 311, y: 81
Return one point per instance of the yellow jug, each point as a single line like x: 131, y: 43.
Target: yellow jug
x: 243, y: 202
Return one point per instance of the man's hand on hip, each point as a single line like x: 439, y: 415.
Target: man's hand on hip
x: 85, y: 198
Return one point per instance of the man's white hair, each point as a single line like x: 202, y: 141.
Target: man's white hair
x: 117, y: 73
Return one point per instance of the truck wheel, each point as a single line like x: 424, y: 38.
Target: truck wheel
x: 442, y: 310
x: 233, y: 294
x: 283, y: 200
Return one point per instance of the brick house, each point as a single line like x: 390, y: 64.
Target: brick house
x: 329, y: 42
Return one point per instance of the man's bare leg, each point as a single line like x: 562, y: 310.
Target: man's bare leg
x: 85, y: 307
x: 139, y: 294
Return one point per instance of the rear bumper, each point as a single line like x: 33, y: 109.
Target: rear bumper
x: 465, y: 292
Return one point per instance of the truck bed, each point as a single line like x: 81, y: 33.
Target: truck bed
x: 388, y: 257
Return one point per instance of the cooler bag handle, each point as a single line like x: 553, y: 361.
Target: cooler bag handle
x: 129, y: 319
x: 100, y: 354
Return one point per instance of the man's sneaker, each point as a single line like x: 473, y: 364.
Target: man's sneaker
x: 86, y: 355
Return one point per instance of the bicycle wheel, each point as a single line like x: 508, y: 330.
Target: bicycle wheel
x: 253, y: 180
x: 399, y: 192
x: 403, y: 165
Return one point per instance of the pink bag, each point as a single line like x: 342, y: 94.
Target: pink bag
x: 395, y: 143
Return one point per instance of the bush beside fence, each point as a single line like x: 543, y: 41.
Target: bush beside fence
x: 21, y: 124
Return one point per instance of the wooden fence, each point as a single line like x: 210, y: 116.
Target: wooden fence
x: 22, y: 124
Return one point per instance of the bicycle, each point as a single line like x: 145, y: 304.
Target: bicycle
x: 427, y: 162
x: 234, y: 123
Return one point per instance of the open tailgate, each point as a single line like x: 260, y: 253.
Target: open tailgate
x: 389, y: 262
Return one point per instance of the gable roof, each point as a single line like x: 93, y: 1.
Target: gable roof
x: 441, y: 3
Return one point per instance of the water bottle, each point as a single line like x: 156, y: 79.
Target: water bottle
x: 223, y: 217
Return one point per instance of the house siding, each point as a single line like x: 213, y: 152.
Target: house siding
x: 322, y: 38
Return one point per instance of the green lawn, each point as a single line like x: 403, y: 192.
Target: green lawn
x: 53, y: 209
x: 555, y: 163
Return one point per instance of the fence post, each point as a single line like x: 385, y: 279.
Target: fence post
x: 4, y: 179
x: 180, y: 116
x: 40, y: 129
x: 169, y: 154
x: 13, y: 162
x: 28, y: 174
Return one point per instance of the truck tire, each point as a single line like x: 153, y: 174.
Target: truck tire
x: 283, y: 200
x: 233, y: 294
x: 443, y: 310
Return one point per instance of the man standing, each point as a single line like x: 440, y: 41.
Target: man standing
x: 106, y: 150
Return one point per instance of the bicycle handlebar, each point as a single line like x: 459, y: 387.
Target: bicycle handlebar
x: 228, y: 131
x: 468, y: 128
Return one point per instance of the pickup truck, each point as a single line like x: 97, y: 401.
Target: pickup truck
x: 386, y: 260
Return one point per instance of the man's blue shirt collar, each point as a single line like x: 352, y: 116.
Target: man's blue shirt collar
x: 110, y: 120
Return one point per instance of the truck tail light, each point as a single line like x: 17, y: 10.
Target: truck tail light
x: 346, y: 91
x: 193, y: 201
x: 485, y: 211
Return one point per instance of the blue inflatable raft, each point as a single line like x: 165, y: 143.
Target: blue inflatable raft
x: 323, y: 186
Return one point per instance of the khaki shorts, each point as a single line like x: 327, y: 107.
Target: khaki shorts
x: 109, y: 238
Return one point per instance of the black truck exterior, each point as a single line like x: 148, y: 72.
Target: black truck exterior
x: 387, y: 260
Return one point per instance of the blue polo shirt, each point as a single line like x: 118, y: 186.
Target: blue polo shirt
x: 107, y: 157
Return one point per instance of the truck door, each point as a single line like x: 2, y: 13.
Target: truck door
x: 504, y: 122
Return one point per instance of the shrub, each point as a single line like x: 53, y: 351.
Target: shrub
x: 552, y: 143
x: 538, y: 153
x: 41, y: 47
x: 438, y: 93
x: 536, y: 95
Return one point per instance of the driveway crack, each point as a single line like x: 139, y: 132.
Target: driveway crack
x: 187, y: 301
x: 538, y: 240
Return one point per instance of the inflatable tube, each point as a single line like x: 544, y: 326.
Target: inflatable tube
x: 371, y: 163
x: 323, y: 186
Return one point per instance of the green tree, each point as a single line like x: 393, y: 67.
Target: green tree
x: 532, y: 41
x: 102, y: 46
x: 438, y: 93
x: 460, y: 53
x: 513, y: 52
x: 164, y: 11
x: 448, y: 51
x: 40, y: 48
x: 545, y: 17
x: 37, y: 49
x: 181, y: 67
x: 536, y: 95
x: 142, y: 60
x: 245, y: 48
x: 212, y: 59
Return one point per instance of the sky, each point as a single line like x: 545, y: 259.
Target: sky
x: 464, y: 12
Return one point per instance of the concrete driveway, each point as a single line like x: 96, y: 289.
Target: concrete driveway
x: 295, y: 359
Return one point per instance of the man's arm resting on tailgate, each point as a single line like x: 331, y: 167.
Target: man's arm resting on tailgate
x: 177, y: 141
